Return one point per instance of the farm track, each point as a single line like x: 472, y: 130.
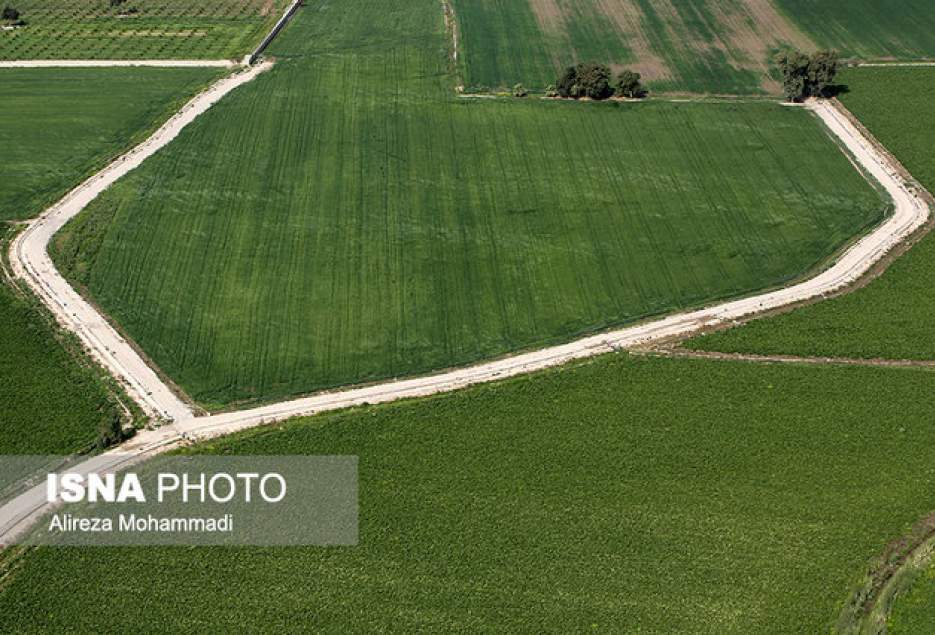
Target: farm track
x: 30, y: 261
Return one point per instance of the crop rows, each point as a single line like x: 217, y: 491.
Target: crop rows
x: 138, y: 29
x: 400, y: 230
x: 868, y: 29
x: 56, y: 127
x: 892, y: 318
x: 664, y: 495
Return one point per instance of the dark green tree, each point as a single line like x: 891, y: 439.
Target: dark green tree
x: 806, y: 76
x: 9, y: 14
x: 628, y: 84
x: 585, y: 80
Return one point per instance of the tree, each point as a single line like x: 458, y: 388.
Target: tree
x: 628, y: 84
x: 520, y: 91
x: 567, y: 83
x: 10, y: 14
x: 585, y: 80
x: 806, y: 76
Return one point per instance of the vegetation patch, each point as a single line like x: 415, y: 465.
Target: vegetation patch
x: 666, y: 495
x: 137, y: 29
x: 894, y: 316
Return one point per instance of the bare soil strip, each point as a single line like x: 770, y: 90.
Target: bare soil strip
x: 30, y: 261
x: 783, y: 359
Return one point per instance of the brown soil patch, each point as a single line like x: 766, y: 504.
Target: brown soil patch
x: 628, y: 18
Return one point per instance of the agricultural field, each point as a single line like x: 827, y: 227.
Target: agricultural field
x: 138, y: 29
x: 390, y: 228
x: 57, y: 127
x: 50, y: 403
x: 706, y: 46
x: 867, y: 29
x: 666, y: 495
x: 894, y: 316
x: 913, y: 611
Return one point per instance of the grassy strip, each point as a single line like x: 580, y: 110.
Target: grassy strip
x: 893, y: 316
x: 346, y: 218
x: 621, y: 494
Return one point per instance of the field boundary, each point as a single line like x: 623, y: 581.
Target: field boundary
x: 280, y: 24
x: 119, y: 64
x: 911, y: 212
x: 30, y: 261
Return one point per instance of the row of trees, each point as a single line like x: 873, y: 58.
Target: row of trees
x: 805, y: 76
x: 594, y: 81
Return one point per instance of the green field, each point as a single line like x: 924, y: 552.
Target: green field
x: 704, y: 46
x: 138, y: 29
x: 345, y: 218
x: 868, y: 29
x: 913, y: 612
x: 625, y: 494
x: 894, y: 317
x: 56, y: 127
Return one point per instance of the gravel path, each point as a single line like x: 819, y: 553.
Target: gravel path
x: 29, y: 258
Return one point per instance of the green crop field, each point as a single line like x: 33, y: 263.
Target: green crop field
x: 49, y: 402
x: 913, y: 612
x: 56, y: 127
x: 138, y: 29
x: 346, y: 218
x: 893, y: 317
x: 868, y: 29
x: 648, y: 495
x: 704, y: 46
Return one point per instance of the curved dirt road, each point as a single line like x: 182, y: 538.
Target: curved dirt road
x: 30, y: 261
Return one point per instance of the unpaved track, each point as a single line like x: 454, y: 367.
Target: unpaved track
x: 30, y: 260
x: 119, y: 64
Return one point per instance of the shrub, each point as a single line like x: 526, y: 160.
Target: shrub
x: 9, y: 14
x: 520, y: 91
x: 628, y: 84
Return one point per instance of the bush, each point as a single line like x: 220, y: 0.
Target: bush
x: 806, y: 76
x: 110, y: 433
x: 628, y: 84
x: 520, y: 91
x: 10, y: 14
x: 550, y: 91
x: 585, y: 80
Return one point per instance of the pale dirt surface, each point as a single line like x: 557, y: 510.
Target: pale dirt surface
x: 118, y: 63
x: 911, y: 212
